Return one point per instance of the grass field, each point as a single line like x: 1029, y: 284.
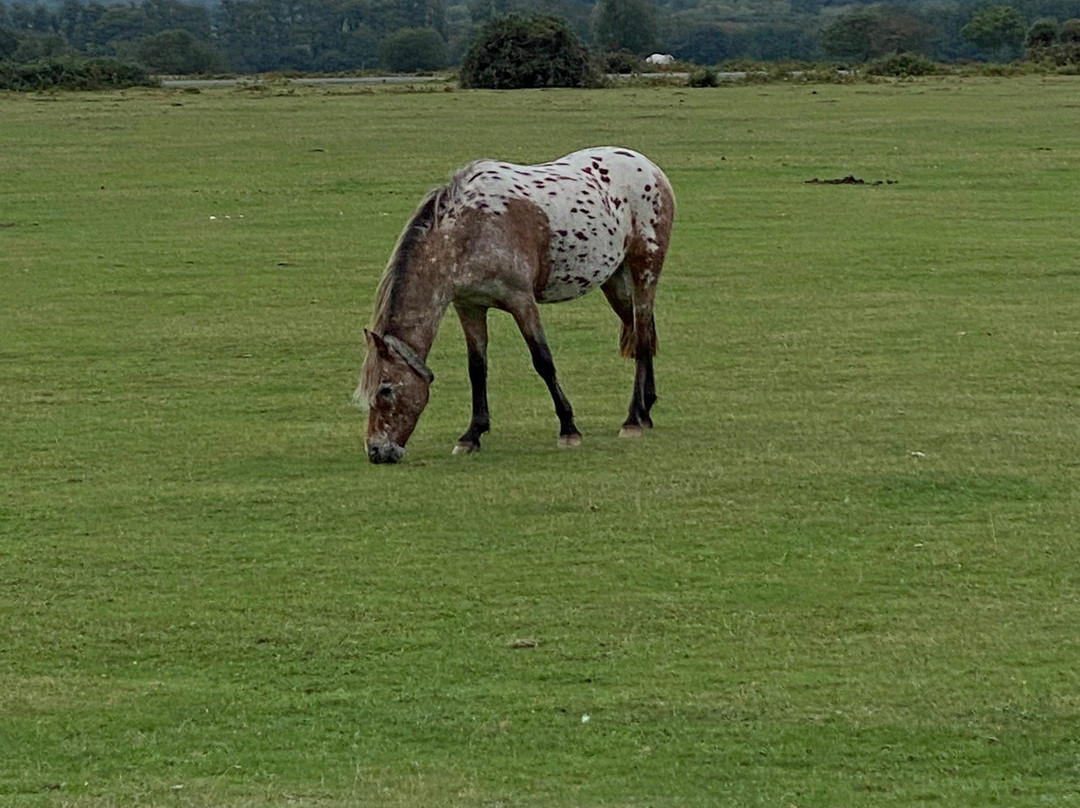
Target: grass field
x: 842, y: 571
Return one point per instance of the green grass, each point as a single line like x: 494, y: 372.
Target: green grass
x: 842, y: 571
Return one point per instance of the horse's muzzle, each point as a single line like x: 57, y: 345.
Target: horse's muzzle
x: 385, y: 452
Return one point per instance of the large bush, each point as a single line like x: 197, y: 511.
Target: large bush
x: 514, y: 52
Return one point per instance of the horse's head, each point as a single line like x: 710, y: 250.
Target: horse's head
x: 394, y: 385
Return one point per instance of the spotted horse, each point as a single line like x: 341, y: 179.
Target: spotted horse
x: 510, y: 237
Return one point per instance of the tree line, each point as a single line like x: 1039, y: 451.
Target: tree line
x: 244, y: 36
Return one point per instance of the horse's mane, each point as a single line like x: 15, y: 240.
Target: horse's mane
x: 388, y: 295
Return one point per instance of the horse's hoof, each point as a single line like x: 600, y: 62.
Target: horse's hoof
x: 568, y: 441
x: 631, y: 432
x: 461, y: 448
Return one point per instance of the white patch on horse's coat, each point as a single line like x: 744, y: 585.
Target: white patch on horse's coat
x: 592, y: 202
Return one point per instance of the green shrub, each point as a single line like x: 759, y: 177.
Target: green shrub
x: 1064, y: 54
x: 706, y: 77
x: 901, y: 65
x: 72, y: 74
x: 620, y: 61
x: 515, y: 52
x: 107, y: 72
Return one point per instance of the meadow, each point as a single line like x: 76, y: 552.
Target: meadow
x: 842, y: 571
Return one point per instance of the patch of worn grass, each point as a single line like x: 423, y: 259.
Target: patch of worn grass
x: 841, y: 571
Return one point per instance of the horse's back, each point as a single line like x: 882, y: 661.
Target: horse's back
x: 597, y: 202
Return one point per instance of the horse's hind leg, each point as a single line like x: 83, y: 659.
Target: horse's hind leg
x: 474, y: 324
x: 633, y: 302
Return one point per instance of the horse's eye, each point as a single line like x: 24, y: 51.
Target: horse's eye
x: 385, y: 392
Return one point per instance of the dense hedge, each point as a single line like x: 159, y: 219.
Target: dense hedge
x: 73, y: 74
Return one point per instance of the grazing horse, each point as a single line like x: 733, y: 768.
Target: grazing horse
x: 509, y: 237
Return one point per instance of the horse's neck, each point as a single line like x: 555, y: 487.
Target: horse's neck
x: 421, y: 298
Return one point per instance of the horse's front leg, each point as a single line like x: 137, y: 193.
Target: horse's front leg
x: 474, y: 324
x: 527, y: 318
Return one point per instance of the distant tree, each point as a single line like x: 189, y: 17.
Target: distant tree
x: 706, y: 44
x: 869, y: 33
x: 8, y: 42
x: 409, y: 49
x: 119, y: 24
x: 768, y: 42
x: 577, y: 14
x: 483, y: 10
x: 176, y: 15
x: 996, y: 30
x: 1058, y: 46
x: 258, y: 35
x: 625, y: 24
x: 387, y: 16
x: 178, y: 51
x: 1041, y: 33
x: 33, y: 46
x: 361, y: 47
x: 26, y: 17
x: 77, y: 21
x: 515, y: 52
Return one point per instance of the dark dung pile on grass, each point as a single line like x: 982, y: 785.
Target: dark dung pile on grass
x: 850, y: 179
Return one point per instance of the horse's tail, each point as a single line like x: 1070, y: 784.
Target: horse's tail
x: 627, y: 343
x: 634, y: 345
